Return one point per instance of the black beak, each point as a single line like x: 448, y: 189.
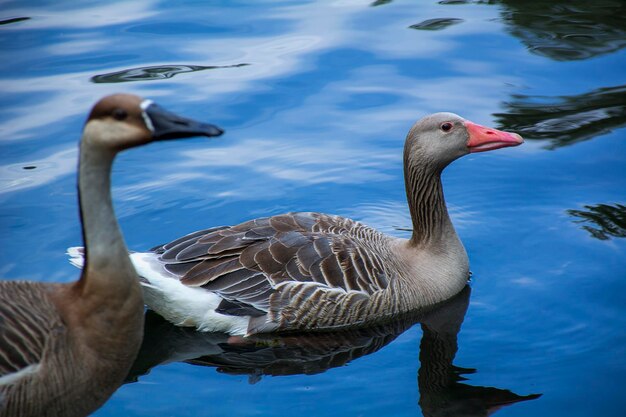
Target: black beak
x: 167, y: 125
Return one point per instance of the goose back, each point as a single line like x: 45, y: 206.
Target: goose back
x: 295, y: 270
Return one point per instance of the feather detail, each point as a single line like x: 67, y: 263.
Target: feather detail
x: 27, y: 317
x: 272, y: 268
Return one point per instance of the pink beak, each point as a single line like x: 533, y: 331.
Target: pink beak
x: 483, y: 138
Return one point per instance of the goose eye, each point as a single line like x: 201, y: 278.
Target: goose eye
x: 446, y: 127
x: 120, y: 114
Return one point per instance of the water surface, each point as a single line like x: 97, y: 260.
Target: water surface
x: 316, y: 99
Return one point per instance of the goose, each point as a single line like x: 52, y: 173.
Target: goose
x: 310, y: 271
x: 65, y: 348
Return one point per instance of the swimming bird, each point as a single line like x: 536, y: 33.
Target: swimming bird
x: 313, y: 271
x: 65, y: 348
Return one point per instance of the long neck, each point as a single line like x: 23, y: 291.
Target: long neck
x: 427, y: 205
x: 106, y: 256
x: 108, y: 293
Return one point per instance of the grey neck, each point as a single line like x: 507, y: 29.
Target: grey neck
x: 431, y: 222
x: 107, y: 269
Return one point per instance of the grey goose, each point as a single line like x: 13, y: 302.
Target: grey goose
x: 312, y: 271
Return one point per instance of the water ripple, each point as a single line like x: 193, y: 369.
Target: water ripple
x: 13, y: 20
x: 566, y: 120
x: 566, y: 30
x: 34, y: 173
x: 436, y: 24
x: 155, y: 72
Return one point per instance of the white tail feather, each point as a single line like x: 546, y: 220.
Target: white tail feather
x: 77, y: 256
x: 178, y: 303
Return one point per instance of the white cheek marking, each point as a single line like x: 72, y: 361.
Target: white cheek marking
x: 146, y: 119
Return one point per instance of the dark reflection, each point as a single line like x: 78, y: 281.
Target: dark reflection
x: 159, y: 72
x: 380, y: 3
x: 441, y: 391
x: 13, y: 20
x: 566, y: 120
x: 608, y: 220
x: 566, y: 30
x: 442, y: 394
x: 383, y: 2
x: 436, y: 24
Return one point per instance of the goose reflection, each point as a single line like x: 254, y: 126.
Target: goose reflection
x: 566, y: 120
x: 602, y: 221
x: 567, y: 30
x: 442, y: 394
x: 441, y: 391
x: 564, y: 30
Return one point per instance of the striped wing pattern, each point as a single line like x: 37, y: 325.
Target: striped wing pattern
x: 278, y: 264
x: 26, y: 320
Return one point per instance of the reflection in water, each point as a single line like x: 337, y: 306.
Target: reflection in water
x: 441, y: 393
x: 566, y: 120
x: 380, y: 2
x: 14, y: 20
x: 436, y: 24
x: 609, y: 219
x: 566, y: 30
x: 158, y: 72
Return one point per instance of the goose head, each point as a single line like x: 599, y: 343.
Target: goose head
x: 122, y: 121
x: 440, y: 138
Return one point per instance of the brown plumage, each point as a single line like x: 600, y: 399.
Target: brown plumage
x: 65, y: 348
x: 312, y: 271
x: 271, y: 265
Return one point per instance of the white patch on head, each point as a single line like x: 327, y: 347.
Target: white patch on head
x: 146, y: 119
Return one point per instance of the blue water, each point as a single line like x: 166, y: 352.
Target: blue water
x: 316, y: 121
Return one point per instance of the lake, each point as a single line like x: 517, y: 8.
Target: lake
x: 316, y: 99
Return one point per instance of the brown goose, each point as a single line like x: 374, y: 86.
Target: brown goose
x: 312, y: 271
x: 64, y: 348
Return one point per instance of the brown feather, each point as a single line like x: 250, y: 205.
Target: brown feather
x: 207, y: 270
x: 271, y: 263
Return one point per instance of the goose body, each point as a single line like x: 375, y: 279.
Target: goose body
x: 313, y: 271
x: 296, y: 271
x: 65, y: 348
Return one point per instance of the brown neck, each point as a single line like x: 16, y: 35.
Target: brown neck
x: 427, y: 205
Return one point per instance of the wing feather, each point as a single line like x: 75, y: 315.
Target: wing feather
x: 27, y: 317
x: 227, y: 243
x: 210, y: 269
x: 307, y: 256
x: 283, y: 223
x: 333, y: 275
x: 189, y: 239
x: 294, y: 272
x: 267, y: 264
x: 280, y: 252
